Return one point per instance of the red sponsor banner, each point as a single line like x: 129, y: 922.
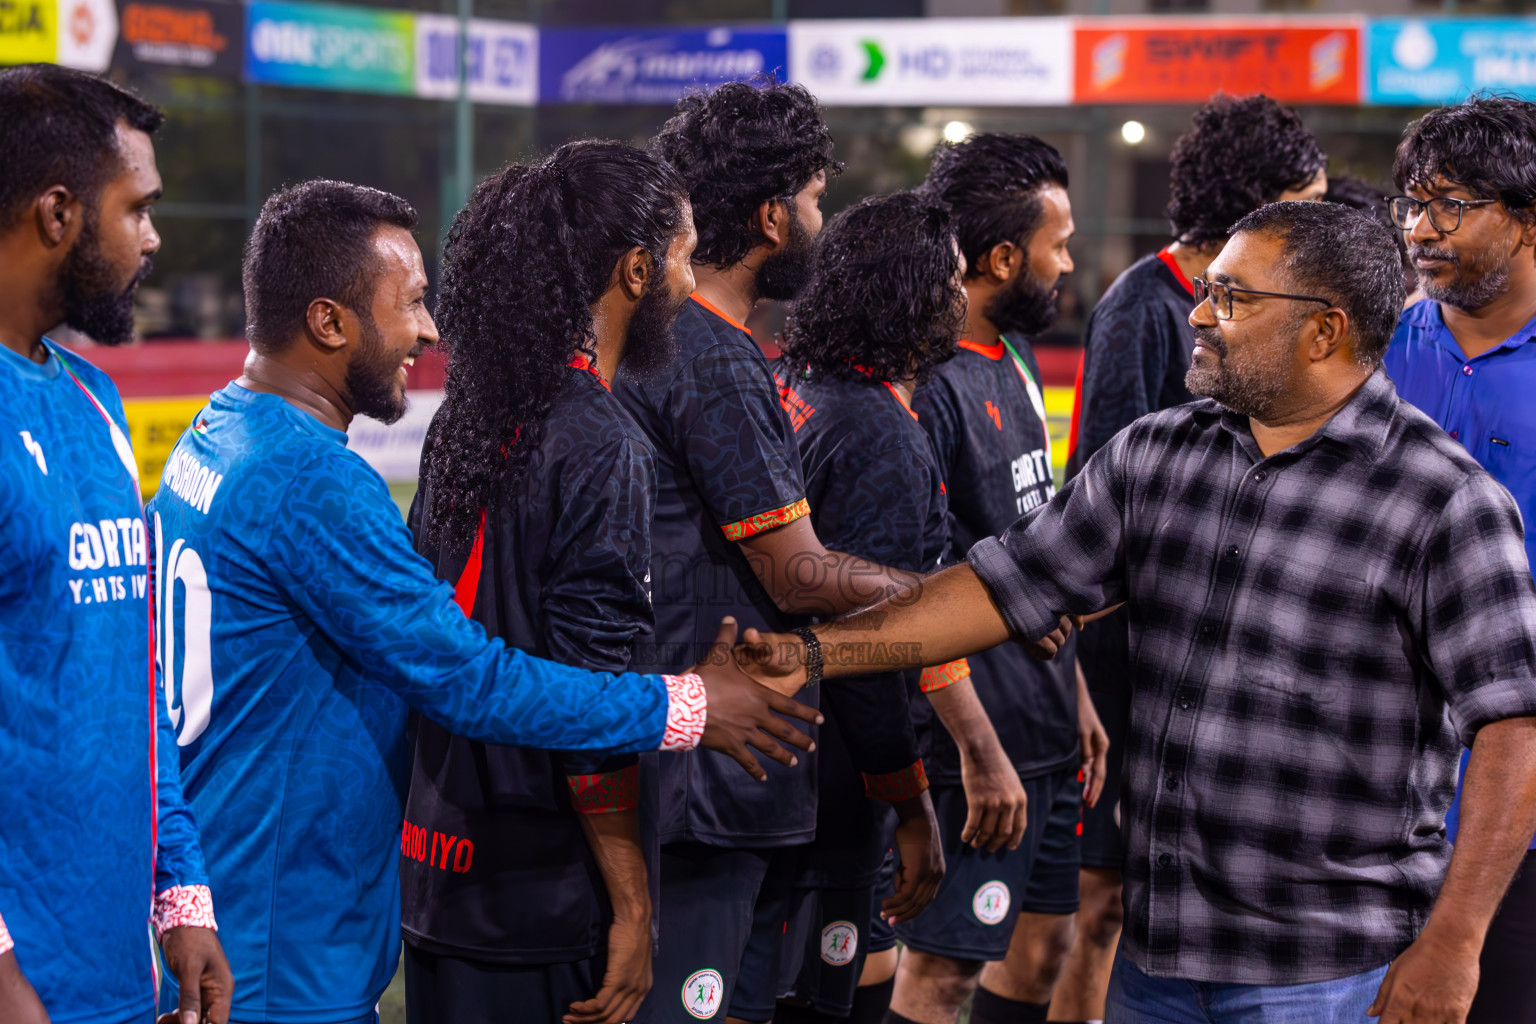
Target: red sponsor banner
x: 1186, y: 61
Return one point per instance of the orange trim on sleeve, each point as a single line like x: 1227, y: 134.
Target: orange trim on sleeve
x: 765, y: 521
x: 701, y: 300
x: 901, y: 785
x: 938, y: 677
x: 607, y: 792
x: 990, y: 351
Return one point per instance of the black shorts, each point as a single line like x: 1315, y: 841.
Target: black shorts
x: 449, y: 990
x: 1106, y: 664
x: 830, y: 933
x: 983, y: 893
x: 722, y: 917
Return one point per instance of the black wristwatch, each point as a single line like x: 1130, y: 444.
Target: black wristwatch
x: 813, y: 662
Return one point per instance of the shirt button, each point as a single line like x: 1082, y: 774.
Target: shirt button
x: 1455, y: 435
x: 1467, y: 369
x: 1207, y: 629
x: 1171, y: 782
x: 1232, y: 551
x: 1163, y: 860
x: 1260, y: 476
x: 1184, y: 703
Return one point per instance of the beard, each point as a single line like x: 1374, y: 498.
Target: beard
x: 1483, y: 278
x: 93, y: 303
x: 785, y: 272
x: 1248, y: 390
x: 371, y: 377
x: 1024, y: 306
x: 649, y: 346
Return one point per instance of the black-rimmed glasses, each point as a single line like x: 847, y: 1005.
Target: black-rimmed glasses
x: 1220, y: 296
x: 1444, y: 212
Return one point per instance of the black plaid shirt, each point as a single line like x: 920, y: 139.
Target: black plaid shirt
x: 1313, y: 637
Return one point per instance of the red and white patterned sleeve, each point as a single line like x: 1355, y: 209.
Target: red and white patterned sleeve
x: 6, y: 945
x: 687, y: 708
x: 183, y: 906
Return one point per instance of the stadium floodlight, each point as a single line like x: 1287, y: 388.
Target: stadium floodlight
x: 957, y: 131
x: 1133, y: 132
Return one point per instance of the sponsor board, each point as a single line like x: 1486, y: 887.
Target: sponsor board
x: 27, y: 31
x: 182, y: 33
x: 503, y: 64
x: 154, y: 427
x: 329, y: 46
x: 1417, y: 61
x: 394, y: 450
x: 928, y: 61
x: 76, y: 33
x: 648, y: 66
x: 1185, y: 61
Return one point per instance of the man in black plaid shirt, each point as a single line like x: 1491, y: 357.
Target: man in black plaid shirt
x: 1327, y: 598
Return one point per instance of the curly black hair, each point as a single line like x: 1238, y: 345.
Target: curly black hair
x: 738, y: 146
x: 1237, y: 155
x: 523, y: 264
x: 1486, y: 144
x: 992, y: 183
x: 1344, y: 255
x: 1367, y: 198
x: 884, y: 297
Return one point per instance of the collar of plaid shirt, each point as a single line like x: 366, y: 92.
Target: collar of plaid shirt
x: 1313, y: 636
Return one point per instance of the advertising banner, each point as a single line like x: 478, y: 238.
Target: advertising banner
x: 182, y: 34
x: 325, y: 46
x: 503, y: 60
x: 1423, y: 61
x: 651, y: 66
x: 77, y: 33
x: 928, y: 61
x: 27, y: 30
x: 1185, y: 61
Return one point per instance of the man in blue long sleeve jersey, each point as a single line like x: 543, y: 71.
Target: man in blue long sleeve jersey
x: 98, y: 844
x: 298, y: 627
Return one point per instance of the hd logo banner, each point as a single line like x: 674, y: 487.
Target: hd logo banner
x: 647, y: 66
x: 326, y: 46
x: 926, y: 61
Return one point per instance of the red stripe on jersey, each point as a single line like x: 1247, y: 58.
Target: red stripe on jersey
x: 990, y: 351
x: 701, y: 300
x: 1173, y: 265
x: 1077, y: 404
x: 468, y: 587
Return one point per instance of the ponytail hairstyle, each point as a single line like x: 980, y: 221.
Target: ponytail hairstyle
x: 524, y: 262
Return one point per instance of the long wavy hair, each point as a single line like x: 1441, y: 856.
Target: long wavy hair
x: 884, y: 298
x: 524, y: 262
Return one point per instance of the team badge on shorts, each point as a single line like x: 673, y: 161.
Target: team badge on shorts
x: 990, y: 904
x: 702, y: 993
x: 839, y: 943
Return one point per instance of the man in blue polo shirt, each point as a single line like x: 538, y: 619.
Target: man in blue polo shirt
x: 1466, y: 355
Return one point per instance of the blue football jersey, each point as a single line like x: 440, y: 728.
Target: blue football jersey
x: 78, y: 867
x: 297, y: 629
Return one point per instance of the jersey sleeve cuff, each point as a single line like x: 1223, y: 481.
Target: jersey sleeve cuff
x: 189, y: 906
x: 607, y: 792
x: 6, y: 945
x: 687, y: 708
x: 937, y: 677
x: 765, y: 521
x: 900, y: 785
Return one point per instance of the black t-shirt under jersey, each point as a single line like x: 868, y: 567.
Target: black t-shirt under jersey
x: 875, y: 492
x: 727, y: 469
x: 986, y: 422
x: 564, y: 576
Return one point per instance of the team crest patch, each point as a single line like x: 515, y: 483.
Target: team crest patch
x: 702, y: 993
x: 839, y: 943
x: 990, y: 904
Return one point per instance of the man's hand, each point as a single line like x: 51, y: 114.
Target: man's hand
x: 777, y: 660
x: 1045, y: 648
x: 921, y: 850
x: 1433, y: 982
x: 1093, y: 742
x: 628, y: 977
x: 743, y: 713
x: 195, y: 959
x: 18, y: 1002
x: 996, y: 804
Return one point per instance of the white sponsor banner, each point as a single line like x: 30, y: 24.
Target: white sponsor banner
x: 934, y: 61
x: 87, y: 34
x: 503, y: 60
x: 395, y: 450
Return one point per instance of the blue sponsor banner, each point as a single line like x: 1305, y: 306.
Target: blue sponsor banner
x: 1417, y: 61
x: 652, y: 66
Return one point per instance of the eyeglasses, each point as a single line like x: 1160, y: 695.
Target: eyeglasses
x: 1444, y: 212
x: 1220, y: 296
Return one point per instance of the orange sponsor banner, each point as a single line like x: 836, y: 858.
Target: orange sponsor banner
x: 1187, y: 60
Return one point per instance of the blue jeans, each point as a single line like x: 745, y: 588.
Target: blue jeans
x: 1135, y: 998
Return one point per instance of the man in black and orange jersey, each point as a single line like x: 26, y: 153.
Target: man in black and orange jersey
x: 1238, y: 155
x: 732, y: 536
x: 985, y: 415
